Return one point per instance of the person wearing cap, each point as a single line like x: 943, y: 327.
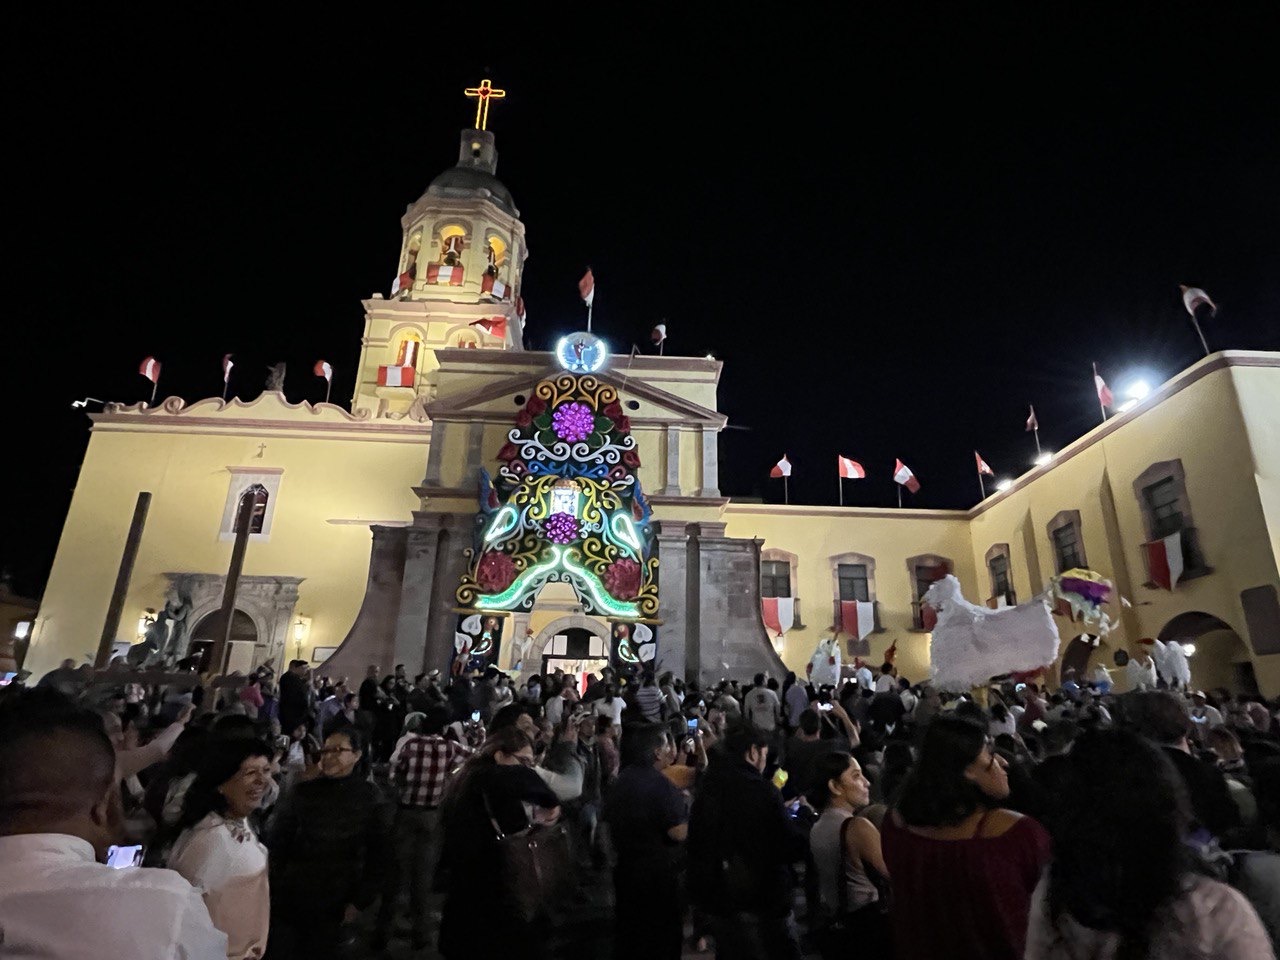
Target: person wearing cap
x: 1203, y: 712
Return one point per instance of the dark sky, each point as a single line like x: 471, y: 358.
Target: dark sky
x: 896, y: 234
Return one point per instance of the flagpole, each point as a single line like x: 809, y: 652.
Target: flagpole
x: 899, y: 496
x: 328, y: 388
x: 155, y: 385
x: 589, y: 316
x: 1102, y: 407
x: 1203, y: 342
x: 786, y: 491
x: 224, y: 390
x: 982, y: 485
x: 1036, y: 432
x: 661, y: 344
x: 840, y: 484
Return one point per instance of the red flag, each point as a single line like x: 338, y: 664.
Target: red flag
x: 494, y: 326
x: 1104, y: 392
x: 587, y: 287
x: 850, y: 469
x: 150, y: 368
x: 1032, y: 422
x: 227, y: 364
x: 659, y: 333
x: 903, y: 475
x: 323, y: 369
x: 982, y: 465
x: 1164, y: 561
x: 782, y: 468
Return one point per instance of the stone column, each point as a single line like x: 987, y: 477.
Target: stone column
x: 710, y: 463
x: 732, y: 640
x: 671, y: 435
x: 450, y: 562
x: 674, y: 608
x: 421, y: 548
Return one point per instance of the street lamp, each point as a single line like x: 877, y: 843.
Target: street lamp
x: 1044, y: 458
x: 299, y: 634
x: 1004, y: 484
x: 147, y: 619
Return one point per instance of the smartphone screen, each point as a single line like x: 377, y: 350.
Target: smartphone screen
x: 475, y: 716
x: 121, y: 857
x: 693, y: 725
x: 824, y: 706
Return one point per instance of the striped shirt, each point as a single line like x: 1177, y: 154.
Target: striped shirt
x: 649, y: 700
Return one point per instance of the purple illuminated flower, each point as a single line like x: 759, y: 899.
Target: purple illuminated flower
x: 561, y: 528
x: 573, y: 422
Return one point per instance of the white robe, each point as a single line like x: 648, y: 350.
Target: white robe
x: 825, y: 663
x: 1140, y: 677
x: 1171, y: 661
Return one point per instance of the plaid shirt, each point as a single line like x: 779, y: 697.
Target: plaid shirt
x: 422, y: 768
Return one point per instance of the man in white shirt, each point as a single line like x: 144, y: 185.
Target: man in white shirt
x: 59, y: 813
x: 887, y: 682
x: 562, y: 702
x: 761, y: 706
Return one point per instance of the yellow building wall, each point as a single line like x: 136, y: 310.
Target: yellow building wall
x: 816, y: 534
x: 324, y: 480
x: 1213, y: 432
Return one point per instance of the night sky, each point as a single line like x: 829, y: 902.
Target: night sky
x: 895, y: 234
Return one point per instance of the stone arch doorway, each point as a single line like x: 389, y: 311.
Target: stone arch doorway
x: 207, y: 630
x: 1082, y: 654
x: 1221, y: 658
x: 575, y: 644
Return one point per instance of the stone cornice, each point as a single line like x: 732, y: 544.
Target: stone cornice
x: 878, y: 513
x: 268, y: 415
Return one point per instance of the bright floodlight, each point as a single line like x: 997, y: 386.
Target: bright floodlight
x: 1004, y: 484
x: 1189, y: 649
x: 1044, y: 458
x: 1138, y: 390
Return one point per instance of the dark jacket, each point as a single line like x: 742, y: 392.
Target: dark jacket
x: 293, y: 702
x: 741, y: 842
x: 330, y: 845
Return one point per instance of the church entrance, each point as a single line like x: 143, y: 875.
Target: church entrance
x: 576, y: 652
x: 206, y: 632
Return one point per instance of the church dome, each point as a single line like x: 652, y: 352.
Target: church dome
x: 475, y: 174
x: 472, y: 182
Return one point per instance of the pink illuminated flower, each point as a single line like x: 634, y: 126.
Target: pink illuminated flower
x: 622, y: 578
x: 561, y: 528
x: 573, y: 422
x: 495, y: 572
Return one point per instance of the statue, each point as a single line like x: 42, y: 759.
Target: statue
x: 166, y: 636
x: 275, y: 378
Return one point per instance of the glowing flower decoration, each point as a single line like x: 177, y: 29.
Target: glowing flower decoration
x: 508, y: 451
x: 524, y: 418
x: 561, y: 528
x: 613, y: 411
x: 495, y: 572
x: 631, y: 459
x: 623, y: 424
x: 573, y: 422
x: 622, y: 578
x: 536, y: 405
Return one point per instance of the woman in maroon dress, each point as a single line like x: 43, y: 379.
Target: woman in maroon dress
x: 963, y: 867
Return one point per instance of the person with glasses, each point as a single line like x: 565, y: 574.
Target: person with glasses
x: 330, y: 846
x: 963, y: 867
x: 498, y: 782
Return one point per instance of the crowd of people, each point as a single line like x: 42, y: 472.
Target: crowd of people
x: 480, y: 815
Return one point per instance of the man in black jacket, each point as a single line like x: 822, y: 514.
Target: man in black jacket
x: 294, y: 705
x: 742, y: 844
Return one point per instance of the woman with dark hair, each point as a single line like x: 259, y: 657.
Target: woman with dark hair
x: 329, y: 846
x: 845, y: 847
x: 498, y: 782
x: 218, y: 852
x: 1121, y: 884
x: 963, y: 868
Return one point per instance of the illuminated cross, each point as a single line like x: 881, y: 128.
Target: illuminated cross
x: 483, y: 94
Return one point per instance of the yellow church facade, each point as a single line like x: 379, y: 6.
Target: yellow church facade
x: 363, y: 516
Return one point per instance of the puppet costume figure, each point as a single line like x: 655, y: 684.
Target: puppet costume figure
x: 1171, y: 662
x: 1141, y: 671
x: 972, y: 643
x: 824, y: 665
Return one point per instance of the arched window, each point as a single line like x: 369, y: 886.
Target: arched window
x: 925, y: 569
x: 453, y: 240
x: 410, y: 351
x: 497, y: 254
x: 1001, y: 575
x: 1067, y: 538
x: 409, y: 270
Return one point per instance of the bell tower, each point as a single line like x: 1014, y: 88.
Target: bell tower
x: 457, y: 281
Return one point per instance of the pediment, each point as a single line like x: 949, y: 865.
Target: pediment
x: 496, y: 400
